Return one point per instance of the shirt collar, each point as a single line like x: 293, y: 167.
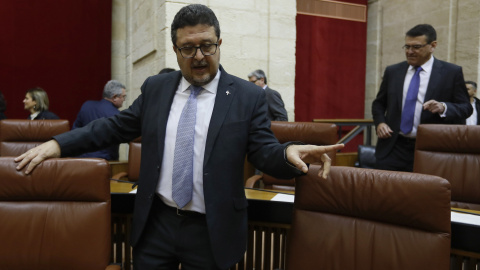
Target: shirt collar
x: 210, y: 87
x: 427, y: 67
x: 33, y: 115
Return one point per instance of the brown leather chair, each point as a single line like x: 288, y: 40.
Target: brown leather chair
x: 134, y: 157
x: 18, y: 136
x: 367, y: 219
x: 452, y: 152
x: 56, y: 218
x: 306, y: 132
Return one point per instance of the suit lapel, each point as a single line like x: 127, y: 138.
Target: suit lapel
x: 435, y: 79
x: 223, y: 99
x: 433, y: 83
x: 401, y: 81
x: 166, y: 93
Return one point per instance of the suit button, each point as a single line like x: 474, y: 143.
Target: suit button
x: 158, y: 168
x: 205, y: 174
x: 150, y: 197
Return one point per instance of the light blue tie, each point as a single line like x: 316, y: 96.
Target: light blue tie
x: 408, y: 111
x: 182, y: 179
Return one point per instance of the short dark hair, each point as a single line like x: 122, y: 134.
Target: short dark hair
x: 472, y: 83
x: 423, y: 29
x: 192, y: 15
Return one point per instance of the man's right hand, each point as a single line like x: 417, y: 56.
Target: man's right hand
x: 384, y: 131
x: 36, y: 155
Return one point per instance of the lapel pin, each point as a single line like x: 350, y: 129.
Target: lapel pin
x: 228, y: 92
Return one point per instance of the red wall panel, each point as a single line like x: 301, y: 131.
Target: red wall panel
x: 62, y: 46
x: 330, y: 69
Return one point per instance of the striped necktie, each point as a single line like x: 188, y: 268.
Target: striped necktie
x: 182, y: 178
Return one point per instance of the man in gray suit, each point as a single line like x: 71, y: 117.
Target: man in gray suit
x: 276, y: 108
x: 225, y: 119
x: 431, y: 90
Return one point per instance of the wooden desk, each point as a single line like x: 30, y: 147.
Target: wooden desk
x: 465, y: 245
x: 118, y: 166
x: 269, y: 225
x: 268, y: 229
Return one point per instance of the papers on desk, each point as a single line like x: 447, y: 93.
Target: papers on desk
x: 133, y: 191
x: 284, y: 198
x: 465, y: 218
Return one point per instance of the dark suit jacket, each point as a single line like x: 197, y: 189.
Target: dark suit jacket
x: 46, y: 115
x: 446, y: 85
x: 477, y: 107
x: 92, y: 110
x: 276, y: 108
x: 238, y: 126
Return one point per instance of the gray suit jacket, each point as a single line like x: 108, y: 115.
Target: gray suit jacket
x: 238, y: 126
x: 446, y: 85
x: 276, y: 108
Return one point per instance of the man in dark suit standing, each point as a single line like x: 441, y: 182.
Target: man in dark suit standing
x: 421, y: 90
x: 472, y: 92
x: 276, y: 107
x: 190, y: 206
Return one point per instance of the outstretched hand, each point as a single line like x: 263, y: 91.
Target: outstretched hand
x: 299, y: 155
x: 36, y: 155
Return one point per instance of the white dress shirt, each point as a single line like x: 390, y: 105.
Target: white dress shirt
x: 205, y: 103
x: 33, y: 115
x: 472, y: 120
x: 424, y: 79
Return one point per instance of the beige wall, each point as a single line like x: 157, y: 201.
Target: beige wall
x: 256, y: 34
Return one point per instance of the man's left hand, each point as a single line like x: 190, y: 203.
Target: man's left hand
x: 299, y: 155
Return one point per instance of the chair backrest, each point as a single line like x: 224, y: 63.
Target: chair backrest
x: 58, y: 217
x: 452, y: 152
x: 368, y: 219
x: 134, y: 157
x: 18, y: 136
x: 306, y: 132
x: 366, y: 157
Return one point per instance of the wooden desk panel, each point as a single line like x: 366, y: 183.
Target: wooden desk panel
x: 271, y: 220
x: 118, y: 167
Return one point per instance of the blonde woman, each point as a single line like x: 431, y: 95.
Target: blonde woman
x: 36, y: 102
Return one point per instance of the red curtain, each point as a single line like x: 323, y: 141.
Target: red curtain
x: 330, y: 70
x: 61, y: 46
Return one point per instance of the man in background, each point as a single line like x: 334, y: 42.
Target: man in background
x: 421, y: 90
x: 472, y: 92
x: 113, y: 97
x: 276, y: 108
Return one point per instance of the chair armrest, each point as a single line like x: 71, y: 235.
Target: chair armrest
x: 113, y: 267
x: 253, y: 180
x: 119, y: 175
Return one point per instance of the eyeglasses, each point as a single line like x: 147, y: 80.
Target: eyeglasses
x: 191, y: 51
x: 254, y: 81
x: 414, y: 47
